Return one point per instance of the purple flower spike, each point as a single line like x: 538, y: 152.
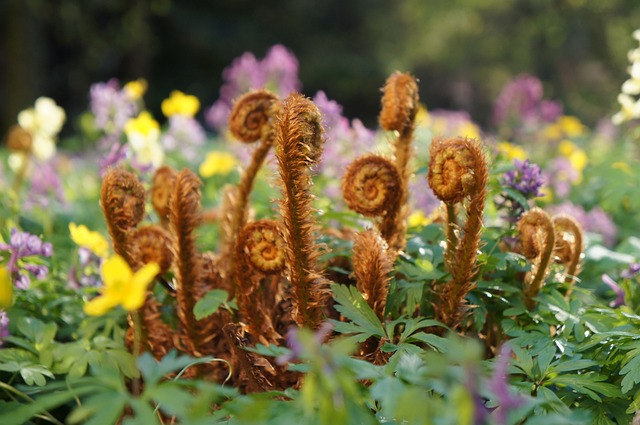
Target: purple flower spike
x: 632, y: 271
x: 619, y: 301
x: 500, y: 388
x: 22, y: 246
x: 526, y: 178
x: 4, y: 326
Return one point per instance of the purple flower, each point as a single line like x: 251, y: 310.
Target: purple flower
x: 422, y: 196
x: 23, y: 245
x: 278, y: 72
x: 498, y: 385
x: 345, y: 141
x: 296, y: 346
x: 631, y: 272
x: 184, y: 133
x: 45, y: 186
x: 561, y: 176
x: 619, y: 301
x: 526, y: 178
x: 594, y: 221
x: 4, y: 326
x: 116, y: 153
x: 520, y: 102
x: 111, y: 106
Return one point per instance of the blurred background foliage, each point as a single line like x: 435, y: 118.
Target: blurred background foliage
x: 463, y: 51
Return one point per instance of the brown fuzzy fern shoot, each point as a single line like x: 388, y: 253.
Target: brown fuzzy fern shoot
x: 568, y: 249
x: 251, y: 120
x: 164, y: 179
x: 458, y: 175
x: 372, y: 267
x: 399, y: 108
x: 184, y: 217
x: 537, y: 238
x: 259, y: 253
x: 298, y: 142
x: 122, y: 198
x: 372, y: 187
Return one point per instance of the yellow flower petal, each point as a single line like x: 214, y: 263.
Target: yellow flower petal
x: 418, y: 219
x: 511, y: 151
x: 180, y: 103
x: 6, y: 288
x: 100, y: 305
x: 143, y: 124
x: 91, y: 240
x: 138, y: 286
x: 136, y: 89
x: 218, y: 163
x: 115, y: 271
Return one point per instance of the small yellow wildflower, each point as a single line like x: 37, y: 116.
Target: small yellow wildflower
x: 121, y: 286
x: 511, y: 151
x: 143, y: 133
x: 6, y: 288
x: 571, y: 126
x: 91, y: 240
x: 418, y: 219
x: 623, y: 166
x: 218, y: 163
x: 576, y: 156
x: 546, y: 195
x: 180, y: 104
x: 136, y: 89
x: 469, y: 130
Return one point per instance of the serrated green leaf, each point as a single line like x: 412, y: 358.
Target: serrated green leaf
x: 35, y: 375
x: 104, y: 408
x: 209, y: 303
x: 631, y: 371
x: 571, y: 365
x: 349, y: 303
x: 152, y: 370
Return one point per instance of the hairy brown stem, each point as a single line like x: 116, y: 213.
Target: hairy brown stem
x: 299, y: 140
x: 537, y: 239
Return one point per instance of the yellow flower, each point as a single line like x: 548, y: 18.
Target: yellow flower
x: 571, y: 126
x: 180, y: 103
x: 547, y: 195
x: 143, y: 134
x: 511, y: 151
x: 576, y: 156
x: 418, y: 219
x: 469, y: 130
x: 143, y: 124
x: 91, y: 240
x: 218, y: 163
x: 136, y: 89
x: 6, y: 288
x: 121, y: 286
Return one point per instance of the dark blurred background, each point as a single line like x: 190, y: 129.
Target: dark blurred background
x: 463, y: 51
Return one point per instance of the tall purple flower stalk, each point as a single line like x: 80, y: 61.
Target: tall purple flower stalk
x: 498, y: 385
x: 22, y: 246
x: 4, y: 326
x: 278, y: 72
x: 527, y: 180
x: 521, y: 103
x: 613, y: 285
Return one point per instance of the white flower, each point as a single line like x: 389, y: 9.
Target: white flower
x: 143, y: 134
x: 636, y: 34
x: 630, y: 109
x: 44, y: 121
x: 631, y: 86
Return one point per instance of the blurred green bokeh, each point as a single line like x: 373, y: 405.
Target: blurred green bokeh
x: 462, y: 51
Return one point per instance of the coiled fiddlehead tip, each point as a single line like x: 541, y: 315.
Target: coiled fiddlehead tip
x: 250, y: 114
x: 300, y: 136
x: 372, y: 185
x: 569, y: 240
x: 263, y: 246
x: 163, y: 183
x: 457, y: 169
x: 152, y: 244
x: 399, y: 102
x: 535, y: 229
x: 122, y: 197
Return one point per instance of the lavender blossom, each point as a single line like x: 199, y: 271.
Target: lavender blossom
x: 521, y: 102
x: 296, y: 346
x: 594, y: 221
x: 619, y: 301
x: 184, y: 133
x: 4, y: 326
x: 23, y: 245
x: 111, y: 106
x: 562, y: 176
x: 116, y: 153
x: 45, y: 186
x: 526, y: 178
x: 278, y: 72
x: 498, y: 385
x: 422, y: 197
x: 631, y: 272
